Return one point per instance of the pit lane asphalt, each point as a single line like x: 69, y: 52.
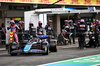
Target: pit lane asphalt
x: 64, y: 53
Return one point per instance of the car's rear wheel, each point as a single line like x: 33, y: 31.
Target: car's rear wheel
x: 10, y: 51
x: 53, y: 48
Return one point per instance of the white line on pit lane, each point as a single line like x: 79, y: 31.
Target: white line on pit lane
x: 67, y: 60
x: 2, y: 49
x: 96, y: 65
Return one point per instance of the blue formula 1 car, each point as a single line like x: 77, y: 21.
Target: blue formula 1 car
x: 34, y: 45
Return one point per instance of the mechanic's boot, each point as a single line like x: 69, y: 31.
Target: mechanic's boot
x: 73, y: 42
x: 69, y: 45
x: 84, y: 48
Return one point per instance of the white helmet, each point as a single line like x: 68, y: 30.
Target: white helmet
x: 66, y: 26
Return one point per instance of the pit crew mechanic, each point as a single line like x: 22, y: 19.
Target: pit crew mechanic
x: 13, y: 27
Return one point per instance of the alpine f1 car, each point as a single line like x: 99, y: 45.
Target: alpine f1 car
x: 37, y: 44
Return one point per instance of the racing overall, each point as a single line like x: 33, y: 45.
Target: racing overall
x: 67, y: 33
x: 97, y: 35
x: 92, y: 27
x: 3, y: 37
x: 21, y: 28
x: 13, y: 28
x: 49, y: 30
x: 92, y: 39
x: 61, y: 38
x: 72, y: 29
x: 20, y: 31
x: 40, y: 30
x: 32, y: 30
x: 82, y: 28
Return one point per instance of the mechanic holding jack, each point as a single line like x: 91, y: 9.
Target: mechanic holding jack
x: 13, y: 27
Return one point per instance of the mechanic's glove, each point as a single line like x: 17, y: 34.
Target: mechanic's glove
x: 91, y: 30
x: 66, y: 39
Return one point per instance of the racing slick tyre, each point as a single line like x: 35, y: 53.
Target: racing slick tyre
x: 55, y: 49
x: 47, y: 51
x: 10, y: 51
